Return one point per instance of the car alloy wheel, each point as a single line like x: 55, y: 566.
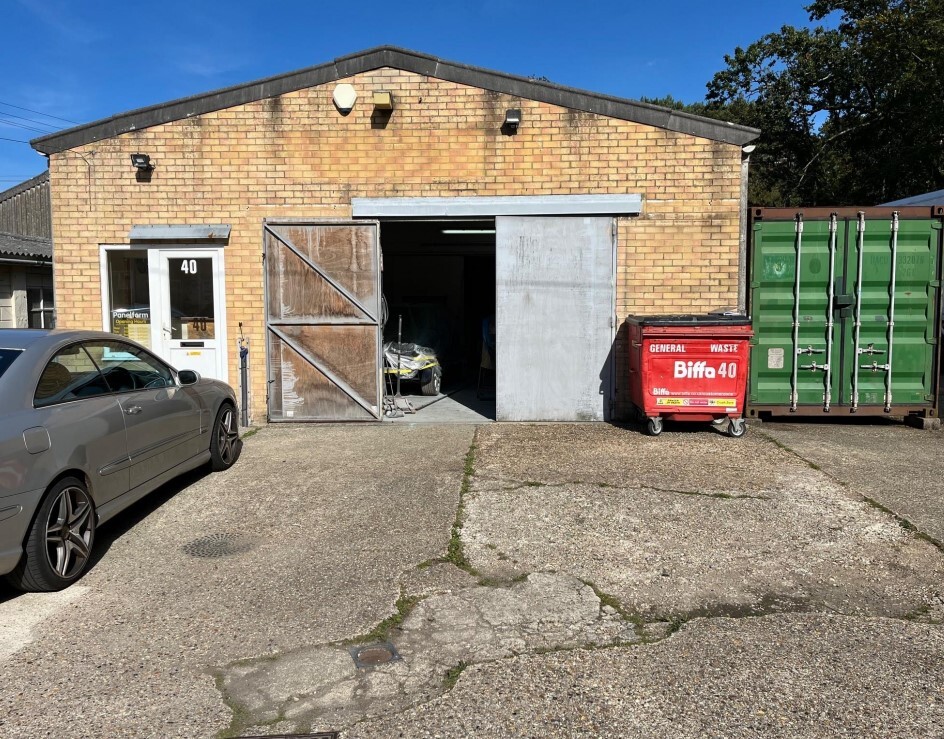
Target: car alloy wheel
x: 225, y: 443
x: 70, y: 527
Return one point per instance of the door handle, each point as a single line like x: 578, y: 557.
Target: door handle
x: 133, y: 410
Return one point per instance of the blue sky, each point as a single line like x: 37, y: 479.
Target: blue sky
x: 89, y: 59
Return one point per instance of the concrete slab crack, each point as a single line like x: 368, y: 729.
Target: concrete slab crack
x: 437, y: 637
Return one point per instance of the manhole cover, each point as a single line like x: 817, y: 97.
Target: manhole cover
x: 372, y: 655
x: 217, y: 545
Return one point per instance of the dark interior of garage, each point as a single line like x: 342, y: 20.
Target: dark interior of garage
x: 440, y: 277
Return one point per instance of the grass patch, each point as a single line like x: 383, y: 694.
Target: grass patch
x: 251, y: 432
x: 904, y: 523
x: 453, y: 674
x: 381, y: 632
x: 502, y: 582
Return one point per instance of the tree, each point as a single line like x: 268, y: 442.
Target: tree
x: 852, y: 113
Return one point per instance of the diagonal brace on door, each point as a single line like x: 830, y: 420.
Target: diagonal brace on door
x: 331, y: 376
x: 327, y: 278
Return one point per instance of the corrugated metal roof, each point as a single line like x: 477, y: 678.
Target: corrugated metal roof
x: 409, y: 61
x: 928, y: 198
x: 13, y: 245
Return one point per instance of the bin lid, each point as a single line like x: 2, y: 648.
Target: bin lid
x: 698, y: 319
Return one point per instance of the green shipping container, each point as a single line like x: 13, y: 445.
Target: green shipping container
x: 846, y: 311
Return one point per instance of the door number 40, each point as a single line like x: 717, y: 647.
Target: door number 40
x: 188, y: 266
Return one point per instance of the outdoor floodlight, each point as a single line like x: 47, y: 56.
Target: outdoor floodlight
x: 142, y: 162
x: 512, y: 120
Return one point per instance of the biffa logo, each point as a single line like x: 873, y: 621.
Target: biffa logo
x: 703, y: 370
x: 694, y: 370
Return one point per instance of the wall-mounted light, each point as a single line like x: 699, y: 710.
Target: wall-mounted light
x: 383, y: 100
x: 512, y: 120
x: 142, y: 162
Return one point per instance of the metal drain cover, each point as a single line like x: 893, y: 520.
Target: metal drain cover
x: 217, y: 545
x: 371, y: 655
x: 319, y: 735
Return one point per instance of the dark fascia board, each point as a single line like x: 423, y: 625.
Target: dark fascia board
x: 409, y: 61
x: 39, y: 179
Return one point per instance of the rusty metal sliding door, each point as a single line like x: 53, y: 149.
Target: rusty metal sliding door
x: 323, y: 332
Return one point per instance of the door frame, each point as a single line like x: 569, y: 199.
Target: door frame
x: 158, y: 282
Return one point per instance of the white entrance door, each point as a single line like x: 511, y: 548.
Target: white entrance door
x: 192, y: 300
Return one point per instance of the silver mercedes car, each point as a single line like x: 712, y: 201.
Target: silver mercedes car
x: 90, y: 423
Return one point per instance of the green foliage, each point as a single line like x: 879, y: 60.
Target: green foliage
x: 850, y: 111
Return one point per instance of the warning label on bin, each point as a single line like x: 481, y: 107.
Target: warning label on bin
x: 697, y: 402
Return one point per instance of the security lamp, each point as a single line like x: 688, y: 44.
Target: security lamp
x: 512, y: 120
x: 142, y: 162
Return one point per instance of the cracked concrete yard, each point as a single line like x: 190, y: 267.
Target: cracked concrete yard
x: 556, y: 580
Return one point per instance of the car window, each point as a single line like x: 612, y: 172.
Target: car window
x: 70, y: 375
x: 127, y: 367
x: 6, y: 358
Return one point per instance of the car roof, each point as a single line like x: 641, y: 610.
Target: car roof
x: 22, y: 338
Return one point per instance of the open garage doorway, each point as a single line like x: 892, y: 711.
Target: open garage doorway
x: 439, y: 278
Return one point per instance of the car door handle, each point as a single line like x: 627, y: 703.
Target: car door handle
x: 133, y: 410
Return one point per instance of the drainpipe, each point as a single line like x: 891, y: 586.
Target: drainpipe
x: 742, y: 240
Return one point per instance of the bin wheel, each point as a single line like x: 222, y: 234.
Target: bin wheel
x: 654, y: 426
x: 737, y: 428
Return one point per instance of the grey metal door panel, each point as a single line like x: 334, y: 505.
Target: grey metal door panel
x: 554, y: 318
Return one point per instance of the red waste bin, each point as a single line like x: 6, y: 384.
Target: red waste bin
x: 689, y: 368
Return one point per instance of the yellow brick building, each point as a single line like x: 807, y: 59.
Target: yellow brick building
x: 447, y: 188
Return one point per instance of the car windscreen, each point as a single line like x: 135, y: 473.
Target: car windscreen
x: 6, y: 358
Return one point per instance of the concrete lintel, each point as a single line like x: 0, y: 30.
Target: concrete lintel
x: 514, y: 205
x: 213, y: 232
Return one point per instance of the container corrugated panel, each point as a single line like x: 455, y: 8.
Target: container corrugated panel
x: 823, y: 337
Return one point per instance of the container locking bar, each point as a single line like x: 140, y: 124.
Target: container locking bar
x: 857, y: 319
x: 891, y: 314
x: 830, y: 308
x: 813, y: 367
x: 810, y: 350
x: 796, y: 314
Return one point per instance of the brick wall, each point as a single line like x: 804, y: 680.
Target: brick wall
x: 296, y: 156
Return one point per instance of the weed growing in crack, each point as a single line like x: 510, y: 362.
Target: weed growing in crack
x: 904, y: 523
x: 502, y: 582
x: 453, y: 674
x: 455, y: 553
x: 381, y: 632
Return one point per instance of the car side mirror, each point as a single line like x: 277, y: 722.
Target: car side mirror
x: 188, y: 377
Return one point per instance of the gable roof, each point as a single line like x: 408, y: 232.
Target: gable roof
x: 14, y: 245
x: 408, y: 61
